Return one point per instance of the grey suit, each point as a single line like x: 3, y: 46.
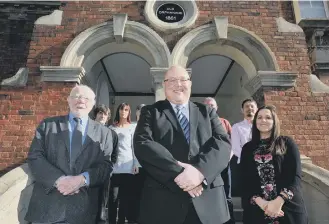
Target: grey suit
x: 49, y: 159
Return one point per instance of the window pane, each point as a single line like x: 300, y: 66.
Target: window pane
x: 312, y: 9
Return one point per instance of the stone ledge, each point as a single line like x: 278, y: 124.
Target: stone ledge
x: 61, y: 74
x: 317, y: 86
x: 19, y: 79
x: 271, y: 79
x: 316, y: 176
x: 54, y: 19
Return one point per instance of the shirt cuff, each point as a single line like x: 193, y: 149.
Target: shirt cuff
x: 86, y: 175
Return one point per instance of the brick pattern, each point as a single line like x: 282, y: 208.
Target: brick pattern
x: 304, y: 115
x: 22, y: 110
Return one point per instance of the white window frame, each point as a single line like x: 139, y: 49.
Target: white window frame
x: 297, y: 11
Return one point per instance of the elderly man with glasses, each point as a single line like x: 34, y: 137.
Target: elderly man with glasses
x: 69, y: 159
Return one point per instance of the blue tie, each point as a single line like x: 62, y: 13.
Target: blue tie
x: 183, y: 122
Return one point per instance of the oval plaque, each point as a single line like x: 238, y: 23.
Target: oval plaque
x: 170, y: 13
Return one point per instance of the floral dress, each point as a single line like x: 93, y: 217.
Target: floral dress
x: 265, y: 168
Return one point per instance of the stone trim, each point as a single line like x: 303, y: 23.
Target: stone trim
x: 19, y: 79
x: 61, y: 74
x: 271, y: 79
x: 316, y: 176
x: 54, y: 19
x: 119, y: 23
x: 245, y: 42
x: 221, y: 23
x: 95, y: 37
x: 157, y: 79
x: 317, y: 86
x: 286, y: 27
x: 191, y: 14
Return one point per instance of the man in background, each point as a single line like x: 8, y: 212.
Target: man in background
x: 226, y: 173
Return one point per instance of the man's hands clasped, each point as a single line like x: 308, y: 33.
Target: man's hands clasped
x: 70, y: 185
x: 190, y: 180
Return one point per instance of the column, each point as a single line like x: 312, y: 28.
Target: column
x: 158, y: 77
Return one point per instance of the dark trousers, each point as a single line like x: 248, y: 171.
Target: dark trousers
x: 138, y: 187
x: 226, y: 176
x: 122, y: 193
x: 235, y: 177
x: 192, y: 217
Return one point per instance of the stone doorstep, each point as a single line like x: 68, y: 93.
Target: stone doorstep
x: 12, y: 177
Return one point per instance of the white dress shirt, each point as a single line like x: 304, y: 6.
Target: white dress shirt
x: 241, y: 134
x: 184, y: 108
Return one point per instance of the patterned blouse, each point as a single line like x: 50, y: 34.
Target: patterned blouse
x: 265, y: 168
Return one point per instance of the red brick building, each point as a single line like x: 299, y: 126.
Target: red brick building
x: 234, y: 50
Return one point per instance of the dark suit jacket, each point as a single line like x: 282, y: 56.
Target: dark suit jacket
x: 49, y: 159
x: 288, y: 173
x: 159, y: 143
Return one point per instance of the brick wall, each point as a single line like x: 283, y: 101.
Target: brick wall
x: 22, y: 109
x: 304, y: 115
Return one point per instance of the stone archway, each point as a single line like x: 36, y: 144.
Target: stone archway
x: 93, y: 44
x: 239, y: 44
x: 97, y: 41
x: 235, y: 42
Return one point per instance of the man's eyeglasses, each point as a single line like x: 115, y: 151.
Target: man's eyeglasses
x: 173, y: 81
x: 80, y: 98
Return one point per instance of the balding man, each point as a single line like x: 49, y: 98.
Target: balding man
x: 69, y: 159
x: 183, y: 148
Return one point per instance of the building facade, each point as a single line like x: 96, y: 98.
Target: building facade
x: 275, y: 52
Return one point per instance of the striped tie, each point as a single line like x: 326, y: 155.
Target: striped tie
x: 183, y: 123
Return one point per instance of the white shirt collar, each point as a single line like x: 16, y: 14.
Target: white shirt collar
x: 184, y: 106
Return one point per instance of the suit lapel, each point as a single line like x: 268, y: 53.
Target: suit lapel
x: 170, y: 114
x: 64, y: 126
x: 89, y: 135
x: 194, y: 119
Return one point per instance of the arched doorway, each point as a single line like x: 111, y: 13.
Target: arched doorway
x: 222, y: 67
x: 118, y: 66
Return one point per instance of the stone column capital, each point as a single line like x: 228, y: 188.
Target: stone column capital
x: 158, y: 75
x: 61, y: 74
x: 271, y: 79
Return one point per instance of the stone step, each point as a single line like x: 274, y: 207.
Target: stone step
x: 238, y: 212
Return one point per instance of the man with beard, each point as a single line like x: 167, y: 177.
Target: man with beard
x: 69, y: 159
x: 241, y: 134
x: 183, y: 148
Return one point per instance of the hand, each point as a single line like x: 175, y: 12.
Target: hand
x: 274, y: 208
x: 190, y: 178
x: 261, y: 203
x: 70, y: 184
x: 135, y: 170
x: 75, y: 192
x: 196, y: 192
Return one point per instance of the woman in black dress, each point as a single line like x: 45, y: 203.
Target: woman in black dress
x: 271, y: 174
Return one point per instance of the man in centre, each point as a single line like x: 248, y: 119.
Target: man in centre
x: 183, y: 149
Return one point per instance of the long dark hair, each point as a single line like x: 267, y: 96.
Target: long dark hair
x: 276, y: 142
x: 117, y: 114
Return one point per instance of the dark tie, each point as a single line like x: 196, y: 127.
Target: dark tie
x: 76, y: 143
x: 185, y: 125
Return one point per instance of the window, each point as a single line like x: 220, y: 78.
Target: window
x: 313, y: 9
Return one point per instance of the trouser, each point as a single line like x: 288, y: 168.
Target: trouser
x: 226, y: 176
x: 235, y: 177
x: 122, y: 193
x: 192, y: 217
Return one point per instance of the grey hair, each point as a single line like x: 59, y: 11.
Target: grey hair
x: 87, y: 89
x: 209, y: 99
